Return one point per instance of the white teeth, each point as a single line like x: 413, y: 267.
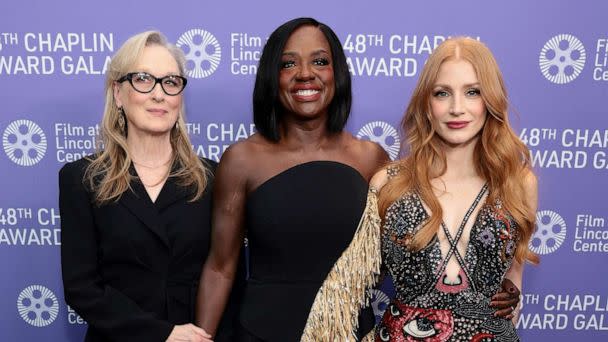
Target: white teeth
x: 306, y: 92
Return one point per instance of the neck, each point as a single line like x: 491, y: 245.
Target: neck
x: 305, y: 134
x: 149, y: 150
x: 460, y: 163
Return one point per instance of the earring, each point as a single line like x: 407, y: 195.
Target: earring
x: 176, y: 127
x: 121, y: 119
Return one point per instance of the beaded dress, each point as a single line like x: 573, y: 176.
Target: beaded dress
x: 428, y: 309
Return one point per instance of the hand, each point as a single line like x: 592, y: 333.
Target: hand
x: 506, y: 300
x: 188, y: 332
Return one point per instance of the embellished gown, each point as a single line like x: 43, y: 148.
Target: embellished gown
x: 426, y: 308
x: 301, y: 225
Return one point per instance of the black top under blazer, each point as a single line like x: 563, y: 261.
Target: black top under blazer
x: 131, y: 267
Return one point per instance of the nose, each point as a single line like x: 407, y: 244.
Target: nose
x: 305, y: 72
x: 457, y: 105
x: 158, y: 94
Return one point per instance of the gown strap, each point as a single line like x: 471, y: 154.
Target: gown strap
x: 453, y: 241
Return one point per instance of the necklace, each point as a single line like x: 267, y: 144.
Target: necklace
x: 162, y: 179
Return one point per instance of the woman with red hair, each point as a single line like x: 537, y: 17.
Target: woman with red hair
x: 457, y: 211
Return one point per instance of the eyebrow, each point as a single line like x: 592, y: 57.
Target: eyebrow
x: 314, y: 53
x: 469, y: 85
x: 147, y: 71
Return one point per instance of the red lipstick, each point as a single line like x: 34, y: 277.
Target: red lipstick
x: 457, y: 124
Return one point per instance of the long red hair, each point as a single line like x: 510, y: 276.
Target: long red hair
x: 500, y: 157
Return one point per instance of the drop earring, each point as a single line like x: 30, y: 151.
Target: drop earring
x: 121, y: 119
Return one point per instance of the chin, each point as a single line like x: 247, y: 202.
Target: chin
x: 159, y: 130
x: 458, y: 140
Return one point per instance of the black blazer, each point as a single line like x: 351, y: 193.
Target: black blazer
x: 131, y: 268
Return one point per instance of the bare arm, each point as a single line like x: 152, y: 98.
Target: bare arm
x: 220, y: 267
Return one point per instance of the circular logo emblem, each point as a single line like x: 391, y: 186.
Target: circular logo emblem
x: 37, y: 305
x: 562, y: 58
x: 549, y: 234
x: 379, y: 302
x: 384, y: 134
x: 24, y: 142
x: 203, y: 52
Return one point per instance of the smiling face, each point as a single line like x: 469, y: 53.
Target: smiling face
x: 457, y: 107
x: 306, y: 79
x: 153, y: 113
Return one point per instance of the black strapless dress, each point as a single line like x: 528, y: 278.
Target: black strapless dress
x: 298, y: 223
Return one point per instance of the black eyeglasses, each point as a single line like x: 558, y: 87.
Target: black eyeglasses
x: 144, y: 83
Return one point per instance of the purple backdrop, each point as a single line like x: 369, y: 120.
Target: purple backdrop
x: 554, y: 57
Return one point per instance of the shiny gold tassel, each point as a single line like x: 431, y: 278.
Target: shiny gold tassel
x: 335, y: 312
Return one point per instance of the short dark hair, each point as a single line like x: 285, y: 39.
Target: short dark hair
x: 267, y: 108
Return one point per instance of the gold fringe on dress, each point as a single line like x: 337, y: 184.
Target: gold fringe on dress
x: 335, y: 312
x: 370, y: 337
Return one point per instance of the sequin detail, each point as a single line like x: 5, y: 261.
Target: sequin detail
x: 488, y: 256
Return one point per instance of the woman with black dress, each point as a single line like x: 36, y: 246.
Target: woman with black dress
x: 297, y: 188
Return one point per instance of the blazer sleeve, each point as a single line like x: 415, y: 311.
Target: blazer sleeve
x: 106, y: 309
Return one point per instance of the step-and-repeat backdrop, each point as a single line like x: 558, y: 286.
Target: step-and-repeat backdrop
x: 554, y: 56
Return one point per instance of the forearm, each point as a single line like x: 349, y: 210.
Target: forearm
x: 515, y: 274
x: 213, y: 292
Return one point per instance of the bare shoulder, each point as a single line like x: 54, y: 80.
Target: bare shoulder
x: 241, y: 152
x: 379, y: 179
x: 239, y: 158
x: 373, y: 150
x: 369, y: 155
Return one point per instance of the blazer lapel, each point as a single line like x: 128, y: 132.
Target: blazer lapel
x: 139, y: 204
x: 171, y: 193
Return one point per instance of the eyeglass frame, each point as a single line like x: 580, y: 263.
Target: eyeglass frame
x: 157, y: 80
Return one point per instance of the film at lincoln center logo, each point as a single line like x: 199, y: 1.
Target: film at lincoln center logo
x: 24, y: 142
x: 37, y: 305
x: 550, y: 232
x: 384, y: 134
x: 203, y: 52
x: 562, y: 59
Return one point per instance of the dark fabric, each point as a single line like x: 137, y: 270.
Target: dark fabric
x: 131, y: 267
x: 298, y: 224
x: 245, y: 336
x: 367, y: 321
